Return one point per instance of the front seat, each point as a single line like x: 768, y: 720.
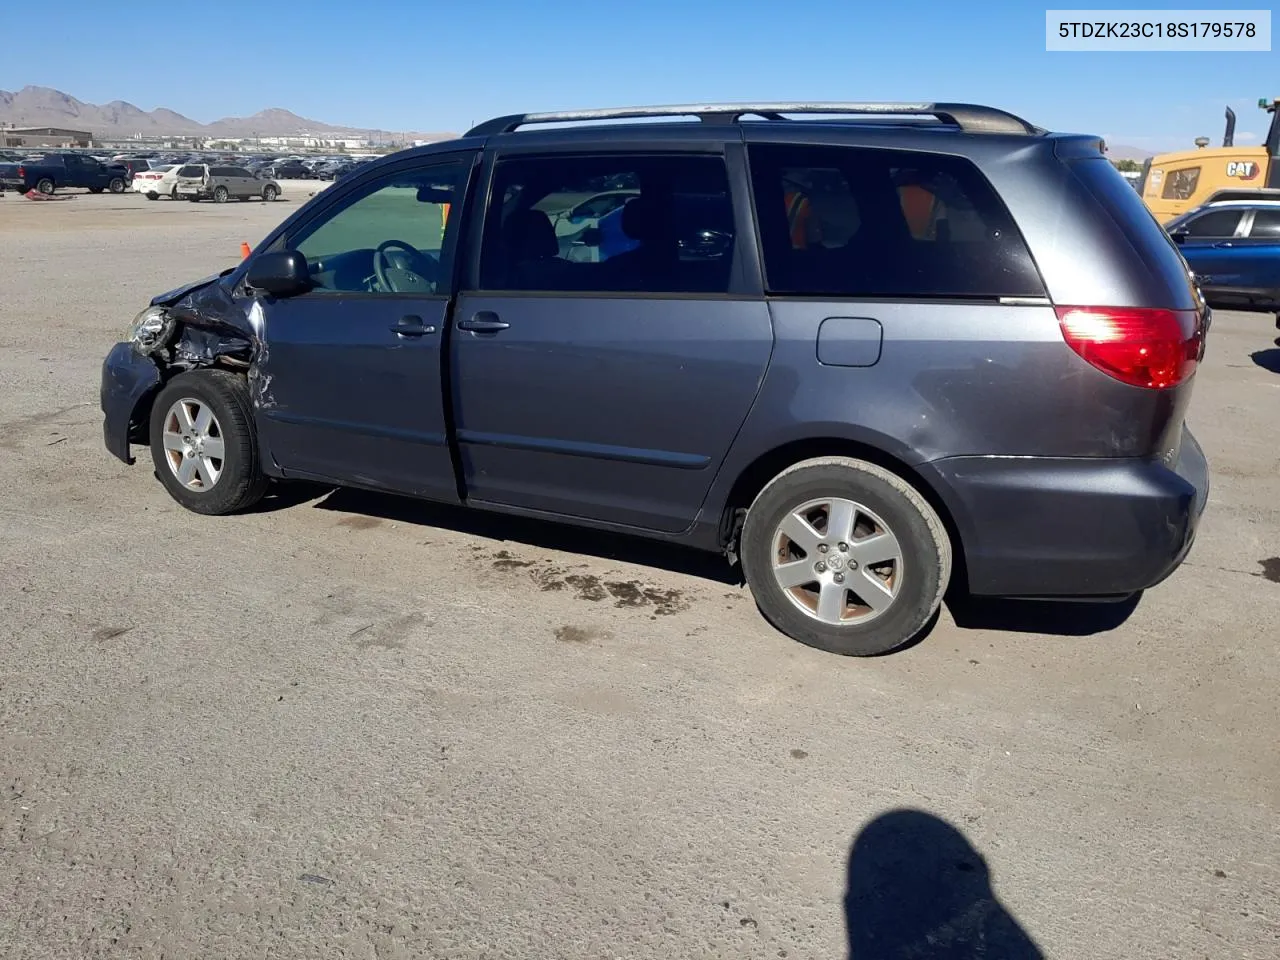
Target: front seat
x: 652, y: 264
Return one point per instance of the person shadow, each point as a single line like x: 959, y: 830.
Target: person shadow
x: 918, y: 889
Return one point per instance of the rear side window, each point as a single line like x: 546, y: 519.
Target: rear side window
x: 854, y: 222
x: 191, y: 171
x: 616, y: 223
x: 1215, y: 223
x: 1266, y: 223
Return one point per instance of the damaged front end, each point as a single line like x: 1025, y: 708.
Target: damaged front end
x: 192, y: 327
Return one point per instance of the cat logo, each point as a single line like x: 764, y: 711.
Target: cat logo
x: 1242, y: 169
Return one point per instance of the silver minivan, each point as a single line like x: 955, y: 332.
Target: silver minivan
x: 200, y: 181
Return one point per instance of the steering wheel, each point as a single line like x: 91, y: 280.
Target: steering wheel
x: 396, y: 279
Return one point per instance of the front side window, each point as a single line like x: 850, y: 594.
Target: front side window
x: 622, y: 224
x: 853, y: 222
x: 389, y: 238
x: 1215, y: 223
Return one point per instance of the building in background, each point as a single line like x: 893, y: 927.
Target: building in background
x: 44, y: 137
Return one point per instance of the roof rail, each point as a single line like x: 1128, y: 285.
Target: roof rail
x: 969, y: 117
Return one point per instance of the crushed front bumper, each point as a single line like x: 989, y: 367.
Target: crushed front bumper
x: 128, y: 379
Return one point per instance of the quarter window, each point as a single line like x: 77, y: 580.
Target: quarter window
x: 389, y: 238
x: 884, y: 223
x: 622, y: 224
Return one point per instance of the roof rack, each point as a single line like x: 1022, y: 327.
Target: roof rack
x: 969, y: 117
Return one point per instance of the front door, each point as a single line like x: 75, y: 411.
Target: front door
x: 352, y: 386
x: 607, y: 387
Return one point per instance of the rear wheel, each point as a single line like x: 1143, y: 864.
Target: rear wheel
x: 45, y: 185
x: 152, y: 195
x: 845, y: 556
x: 173, y: 194
x: 116, y: 185
x: 204, y: 442
x: 269, y: 193
x: 221, y: 195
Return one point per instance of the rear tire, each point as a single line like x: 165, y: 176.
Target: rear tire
x: 216, y: 485
x: 790, y: 577
x: 45, y: 185
x: 221, y: 195
x: 173, y: 194
x: 152, y: 195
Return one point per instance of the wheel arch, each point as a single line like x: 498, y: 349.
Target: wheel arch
x: 756, y: 474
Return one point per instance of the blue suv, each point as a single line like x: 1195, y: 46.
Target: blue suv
x: 1233, y: 247
x: 864, y: 349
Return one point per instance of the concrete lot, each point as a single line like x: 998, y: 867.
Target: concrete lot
x: 353, y: 726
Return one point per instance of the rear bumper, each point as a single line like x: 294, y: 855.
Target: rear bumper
x: 127, y: 379
x: 1073, y: 527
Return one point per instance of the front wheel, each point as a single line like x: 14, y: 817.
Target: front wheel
x: 204, y: 442
x: 845, y: 556
x: 221, y: 195
x: 269, y: 193
x: 116, y: 185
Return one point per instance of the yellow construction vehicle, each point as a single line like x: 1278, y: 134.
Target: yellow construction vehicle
x: 1174, y: 183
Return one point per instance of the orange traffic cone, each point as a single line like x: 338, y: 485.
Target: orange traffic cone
x: 244, y: 250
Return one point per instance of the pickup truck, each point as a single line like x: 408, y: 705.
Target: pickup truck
x: 56, y: 170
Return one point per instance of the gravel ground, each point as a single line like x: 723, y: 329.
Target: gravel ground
x: 356, y: 726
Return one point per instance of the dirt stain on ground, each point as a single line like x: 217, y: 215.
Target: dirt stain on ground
x: 624, y: 593
x: 103, y: 634
x: 579, y: 635
x: 503, y: 560
x: 390, y: 635
x: 1270, y: 569
x: 358, y: 522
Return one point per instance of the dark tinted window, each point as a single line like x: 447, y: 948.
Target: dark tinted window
x: 222, y: 172
x: 191, y: 171
x: 884, y: 223
x: 1215, y: 223
x: 1266, y: 223
x: 666, y: 228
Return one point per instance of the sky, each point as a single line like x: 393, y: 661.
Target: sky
x: 421, y: 65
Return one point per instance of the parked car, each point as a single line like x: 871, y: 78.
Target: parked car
x: 919, y: 350
x: 1233, y: 247
x: 196, y: 182
x: 159, y: 181
x: 56, y: 170
x: 290, y: 170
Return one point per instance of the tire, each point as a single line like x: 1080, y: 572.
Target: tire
x: 45, y: 185
x: 269, y: 193
x: 239, y: 482
x: 220, y: 194
x: 908, y: 588
x: 116, y: 185
x: 152, y: 195
x: 95, y: 189
x: 194, y: 199
x: 173, y: 194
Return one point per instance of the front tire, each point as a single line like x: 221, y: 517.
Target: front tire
x: 269, y: 193
x: 845, y: 556
x: 204, y: 443
x: 116, y: 185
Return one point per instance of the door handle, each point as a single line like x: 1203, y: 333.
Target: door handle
x: 411, y: 326
x: 486, y: 321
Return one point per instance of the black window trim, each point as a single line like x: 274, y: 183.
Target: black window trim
x: 1010, y: 300
x: 745, y: 281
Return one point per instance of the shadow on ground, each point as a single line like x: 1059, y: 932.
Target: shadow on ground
x: 917, y: 888
x: 969, y: 613
x: 1267, y: 359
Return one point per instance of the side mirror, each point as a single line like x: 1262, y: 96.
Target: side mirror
x: 281, y: 274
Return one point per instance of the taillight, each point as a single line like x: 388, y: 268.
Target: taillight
x: 1140, y: 346
x: 22, y: 173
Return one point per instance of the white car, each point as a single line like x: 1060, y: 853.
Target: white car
x: 161, y: 181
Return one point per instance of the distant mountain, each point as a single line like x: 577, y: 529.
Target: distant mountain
x: 1119, y: 151
x: 42, y: 106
